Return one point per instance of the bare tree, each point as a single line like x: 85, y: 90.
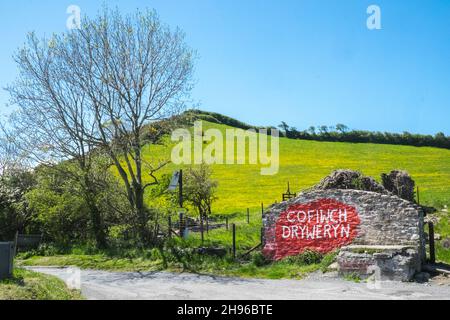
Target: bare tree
x: 15, y: 180
x: 97, y: 88
x: 52, y: 122
x: 135, y: 70
x: 11, y: 158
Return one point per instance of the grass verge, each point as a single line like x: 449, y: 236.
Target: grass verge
x: 443, y: 229
x: 28, y: 285
x: 184, y: 260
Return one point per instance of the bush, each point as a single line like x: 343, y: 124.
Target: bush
x: 306, y: 258
x: 327, y: 260
x: 45, y: 250
x: 259, y: 260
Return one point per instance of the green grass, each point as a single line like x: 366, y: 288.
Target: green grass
x: 94, y: 261
x: 181, y: 260
x: 305, y: 163
x: 443, y: 228
x: 353, y: 277
x: 28, y: 285
x: 247, y: 235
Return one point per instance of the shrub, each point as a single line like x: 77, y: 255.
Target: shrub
x: 305, y: 258
x: 259, y: 260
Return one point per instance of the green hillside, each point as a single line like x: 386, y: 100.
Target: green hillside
x: 305, y: 163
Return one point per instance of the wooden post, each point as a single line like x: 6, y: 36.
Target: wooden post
x: 16, y: 237
x: 418, y: 196
x: 431, y: 242
x: 207, y: 224
x: 262, y: 209
x: 181, y: 225
x: 201, y: 228
x: 180, y: 189
x: 248, y: 216
x: 233, y: 226
x: 169, y: 223
x: 226, y: 222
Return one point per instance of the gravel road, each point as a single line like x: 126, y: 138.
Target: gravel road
x: 104, y: 285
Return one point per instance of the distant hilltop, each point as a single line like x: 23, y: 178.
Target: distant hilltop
x: 337, y: 133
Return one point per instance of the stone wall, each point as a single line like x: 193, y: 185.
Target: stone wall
x: 360, y: 217
x: 383, y: 262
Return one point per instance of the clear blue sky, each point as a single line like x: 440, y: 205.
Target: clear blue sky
x: 306, y: 62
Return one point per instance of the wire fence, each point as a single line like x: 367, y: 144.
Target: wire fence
x: 181, y: 225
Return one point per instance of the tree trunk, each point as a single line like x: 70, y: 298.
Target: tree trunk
x: 201, y: 228
x: 141, y: 212
x: 98, y: 226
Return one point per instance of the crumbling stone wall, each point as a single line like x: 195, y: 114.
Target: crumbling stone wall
x: 349, y: 179
x: 385, y: 219
x: 391, y: 263
x: 399, y: 183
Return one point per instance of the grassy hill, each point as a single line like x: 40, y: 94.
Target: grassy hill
x: 305, y: 163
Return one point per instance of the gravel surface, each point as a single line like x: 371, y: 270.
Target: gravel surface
x: 105, y: 285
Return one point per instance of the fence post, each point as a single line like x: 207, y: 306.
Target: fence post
x: 226, y: 222
x: 418, y: 196
x: 181, y: 225
x: 431, y: 241
x: 16, y: 237
x: 248, y: 216
x: 201, y: 228
x: 186, y: 228
x: 169, y: 222
x: 262, y: 209
x: 180, y: 190
x: 233, y: 226
x: 262, y: 235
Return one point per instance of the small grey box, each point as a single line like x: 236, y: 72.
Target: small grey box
x: 6, y: 259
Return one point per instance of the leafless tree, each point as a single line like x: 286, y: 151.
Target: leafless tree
x: 51, y: 122
x: 97, y: 88
x: 7, y: 157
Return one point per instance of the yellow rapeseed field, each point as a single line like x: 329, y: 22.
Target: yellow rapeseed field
x: 305, y: 163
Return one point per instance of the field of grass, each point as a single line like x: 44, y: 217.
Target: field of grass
x: 304, y: 163
x: 28, y: 285
x: 443, y: 229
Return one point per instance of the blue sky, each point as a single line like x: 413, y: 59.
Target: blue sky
x: 309, y: 62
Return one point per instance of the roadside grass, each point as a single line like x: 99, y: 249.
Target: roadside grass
x: 442, y: 254
x: 28, y: 285
x: 184, y: 259
x: 353, y: 277
x: 443, y: 228
x: 94, y: 261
